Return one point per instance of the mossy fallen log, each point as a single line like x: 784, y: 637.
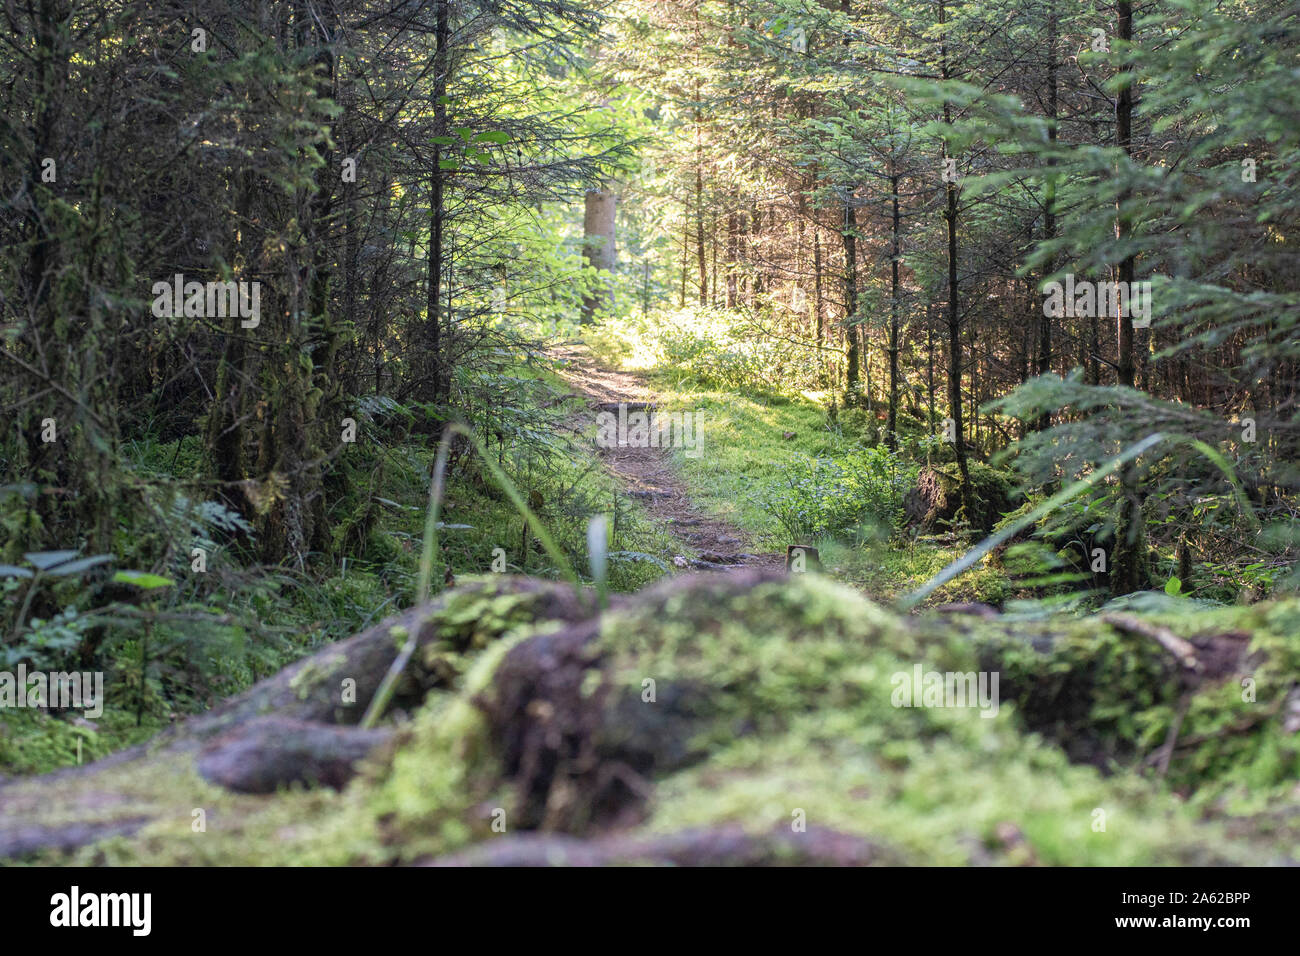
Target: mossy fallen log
x: 693, y: 721
x: 267, y: 753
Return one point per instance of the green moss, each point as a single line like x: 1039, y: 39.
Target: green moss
x: 949, y: 801
x: 1109, y: 696
x: 753, y: 660
x: 993, y: 494
x: 439, y: 791
x: 788, y: 688
x: 315, y: 672
x: 476, y: 614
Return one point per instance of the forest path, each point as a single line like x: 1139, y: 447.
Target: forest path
x: 649, y: 474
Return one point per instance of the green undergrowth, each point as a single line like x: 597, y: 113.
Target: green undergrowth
x: 886, y: 569
x: 255, y: 620
x: 34, y: 740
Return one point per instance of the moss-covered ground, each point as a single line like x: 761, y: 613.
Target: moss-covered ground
x: 772, y: 703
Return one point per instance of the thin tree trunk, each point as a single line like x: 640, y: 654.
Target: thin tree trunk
x: 894, y: 252
x: 686, y: 245
x: 713, y: 258
x: 1123, y: 139
x: 732, y: 242
x: 442, y: 34
x: 1129, y: 570
x: 929, y: 375
x: 852, y: 388
x: 1049, y: 205
x: 817, y: 285
x: 954, y: 311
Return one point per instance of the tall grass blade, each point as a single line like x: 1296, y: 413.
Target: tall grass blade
x: 424, y: 584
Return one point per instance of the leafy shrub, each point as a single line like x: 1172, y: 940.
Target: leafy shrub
x: 840, y: 496
x: 48, y: 645
x: 730, y: 351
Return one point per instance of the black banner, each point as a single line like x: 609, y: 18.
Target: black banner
x: 371, y: 906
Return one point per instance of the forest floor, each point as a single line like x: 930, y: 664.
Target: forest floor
x: 650, y: 474
x: 500, y: 656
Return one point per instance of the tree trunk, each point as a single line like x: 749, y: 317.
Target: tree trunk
x: 1049, y: 206
x: 437, y: 223
x: 852, y: 390
x: 954, y: 310
x: 892, y: 437
x: 686, y: 245
x: 1129, y: 570
x: 1123, y: 139
x: 732, y: 229
x: 817, y: 292
x: 598, y: 246
x: 929, y: 374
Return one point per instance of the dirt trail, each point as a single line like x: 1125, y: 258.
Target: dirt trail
x: 649, y: 475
